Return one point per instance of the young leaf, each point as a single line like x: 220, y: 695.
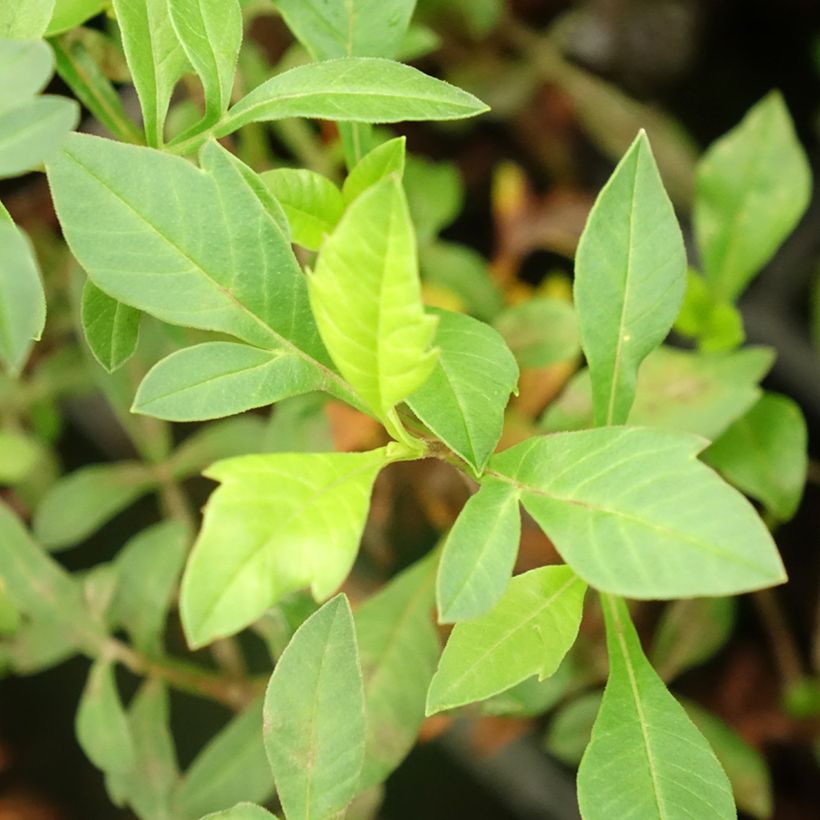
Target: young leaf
x: 630, y: 275
x: 242, y: 811
x: 634, y: 512
x: 353, y: 89
x: 25, y: 69
x: 111, y: 328
x: 683, y: 390
x: 569, y: 731
x: 646, y: 759
x: 102, y: 725
x: 479, y: 553
x: 715, y: 324
x: 292, y: 520
x: 155, y: 57
x: 435, y: 194
x: 315, y: 716
x: 25, y: 19
x: 216, y: 379
x: 299, y: 425
x: 22, y: 301
x: 540, y: 332
x: 69, y: 14
x: 79, y: 503
x: 527, y: 633
x: 311, y: 202
x: 211, y: 33
x: 764, y: 454
x: 398, y: 647
x: 149, y: 566
x: 464, y: 398
x: 348, y: 28
x: 753, y: 185
x: 233, y: 766
x: 381, y: 162
x: 366, y: 299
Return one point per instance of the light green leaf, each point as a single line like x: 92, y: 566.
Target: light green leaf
x: 22, y: 301
x: 540, y: 332
x: 634, y: 512
x: 629, y: 279
x: 233, y: 766
x: 25, y: 69
x: 752, y: 187
x: 528, y: 632
x: 464, y: 398
x: 353, y: 89
x: 646, y: 759
x: 311, y: 202
x: 366, y: 299
x: 690, y: 632
x: 19, y: 455
x: 715, y: 325
x: 211, y: 34
x: 25, y: 19
x: 568, y: 734
x: 155, y: 57
x: 435, y: 194
x: 399, y: 648
x: 381, y: 162
x: 241, y: 811
x: 418, y: 41
x: 701, y: 393
x: 69, y: 14
x: 111, y: 328
x: 38, y: 645
x: 149, y: 566
x: 299, y: 425
x: 10, y: 617
x: 479, y: 553
x: 764, y: 454
x: 102, y: 725
x: 315, y: 716
x: 292, y: 521
x: 348, y: 28
x: 216, y: 379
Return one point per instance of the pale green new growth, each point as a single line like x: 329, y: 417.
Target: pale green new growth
x: 25, y: 19
x: 384, y: 160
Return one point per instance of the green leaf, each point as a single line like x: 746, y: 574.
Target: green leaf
x: 714, y: 324
x: 533, y: 697
x: 690, y: 632
x: 752, y: 187
x: 399, y: 648
x: 315, y: 716
x: 528, y: 632
x: 155, y: 57
x: 348, y: 28
x: 381, y: 162
x: 216, y: 379
x: 764, y: 454
x: 569, y: 731
x: 149, y: 566
x: 540, y: 332
x: 102, y: 725
x: 32, y: 133
x: 233, y: 766
x: 111, y: 328
x: 701, y: 393
x: 634, y: 512
x: 25, y: 19
x: 19, y: 455
x: 299, y: 425
x: 22, y: 301
x: 292, y: 520
x: 81, y: 502
x: 744, y: 765
x: 629, y: 279
x: 25, y: 69
x: 69, y: 14
x: 242, y: 811
x: 646, y: 759
x: 435, y: 194
x: 211, y: 34
x: 464, y: 398
x: 479, y: 553
x: 311, y: 202
x: 10, y: 617
x: 418, y: 41
x: 353, y: 89
x: 38, y: 645
x: 366, y: 299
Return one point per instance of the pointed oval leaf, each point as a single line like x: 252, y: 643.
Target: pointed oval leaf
x: 25, y: 69
x: 102, y: 726
x: 291, y: 520
x: 646, y: 758
x: 528, y: 632
x: 25, y: 19
x: 634, y: 512
x: 111, y: 328
x: 315, y: 716
x: 464, y: 398
x: 630, y: 276
x: 69, y: 14
x: 366, y: 299
x: 479, y: 553
x: 216, y: 379
x: 752, y: 187
x: 381, y: 162
x: 353, y: 89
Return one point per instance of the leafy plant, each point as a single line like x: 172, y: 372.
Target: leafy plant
x: 192, y: 286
